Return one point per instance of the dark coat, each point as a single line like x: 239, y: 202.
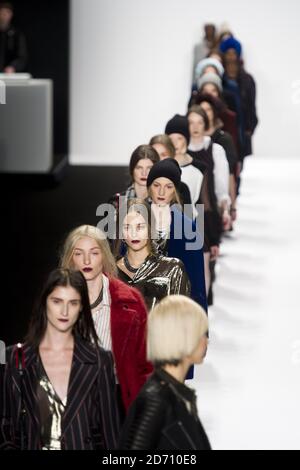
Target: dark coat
x: 90, y: 421
x: 160, y: 419
x: 13, y: 50
x: 193, y: 260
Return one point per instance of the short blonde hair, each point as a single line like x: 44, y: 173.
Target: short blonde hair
x: 175, y: 327
x: 109, y: 264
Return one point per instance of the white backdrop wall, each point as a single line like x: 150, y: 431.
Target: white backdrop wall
x: 131, y: 70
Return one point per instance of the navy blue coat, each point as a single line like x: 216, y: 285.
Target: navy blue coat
x: 192, y: 259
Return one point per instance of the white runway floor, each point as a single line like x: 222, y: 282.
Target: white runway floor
x: 249, y: 387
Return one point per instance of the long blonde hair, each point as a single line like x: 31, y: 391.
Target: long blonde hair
x: 109, y: 264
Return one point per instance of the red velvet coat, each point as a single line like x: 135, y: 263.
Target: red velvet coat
x: 128, y: 331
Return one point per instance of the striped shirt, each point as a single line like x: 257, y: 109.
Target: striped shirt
x: 101, y: 316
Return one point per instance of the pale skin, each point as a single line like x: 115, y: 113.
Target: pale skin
x: 57, y: 346
x: 135, y: 235
x: 87, y: 258
x: 140, y: 175
x: 180, y: 144
x: 179, y: 372
x: 162, y: 192
x: 162, y: 151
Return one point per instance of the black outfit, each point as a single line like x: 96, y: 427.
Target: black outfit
x: 13, y: 50
x: 225, y: 140
x: 164, y: 417
x: 90, y: 419
x: 212, y: 218
x: 246, y: 107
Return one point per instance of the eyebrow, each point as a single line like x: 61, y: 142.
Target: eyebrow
x: 95, y: 248
x: 59, y: 298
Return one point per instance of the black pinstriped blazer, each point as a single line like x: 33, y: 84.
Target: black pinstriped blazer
x: 90, y: 421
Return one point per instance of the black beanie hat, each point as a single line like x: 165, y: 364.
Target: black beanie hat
x: 167, y: 168
x: 179, y: 125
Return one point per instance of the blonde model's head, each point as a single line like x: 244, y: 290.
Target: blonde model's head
x: 93, y: 233
x: 176, y: 327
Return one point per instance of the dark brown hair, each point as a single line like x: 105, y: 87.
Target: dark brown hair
x: 141, y: 153
x: 198, y: 110
x: 84, y: 327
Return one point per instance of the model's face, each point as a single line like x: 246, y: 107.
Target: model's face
x: 162, y: 151
x: 210, y: 89
x: 200, y: 352
x: 209, y: 111
x: 87, y: 258
x: 162, y: 191
x: 197, y: 125
x: 63, y: 308
x: 210, y: 32
x: 135, y: 231
x: 231, y: 56
x: 141, y: 172
x: 179, y: 143
x: 5, y: 17
x: 210, y: 69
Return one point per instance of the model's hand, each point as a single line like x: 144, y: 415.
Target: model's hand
x: 226, y: 220
x: 214, y: 252
x: 9, y: 70
x: 233, y: 214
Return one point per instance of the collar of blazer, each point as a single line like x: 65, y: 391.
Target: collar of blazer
x: 122, y: 293
x: 84, y: 372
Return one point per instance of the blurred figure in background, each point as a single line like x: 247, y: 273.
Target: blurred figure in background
x: 203, y: 48
x: 242, y: 85
x: 13, y: 49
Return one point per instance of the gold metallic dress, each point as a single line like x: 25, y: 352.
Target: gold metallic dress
x: 51, y: 409
x: 157, y: 278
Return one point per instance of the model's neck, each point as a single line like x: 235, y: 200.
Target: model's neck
x: 137, y: 258
x: 197, y: 140
x: 183, y: 159
x: 178, y: 372
x: 141, y: 191
x: 56, y: 340
x: 94, y: 288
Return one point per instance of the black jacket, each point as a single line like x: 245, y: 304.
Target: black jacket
x: 13, y: 50
x: 90, y: 421
x: 164, y: 417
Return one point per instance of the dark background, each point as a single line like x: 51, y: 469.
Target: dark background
x: 46, y: 25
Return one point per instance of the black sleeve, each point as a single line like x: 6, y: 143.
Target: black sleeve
x: 108, y: 400
x: 20, y: 61
x: 185, y: 194
x: 143, y: 426
x: 251, y: 116
x: 8, y: 430
x: 231, y: 153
